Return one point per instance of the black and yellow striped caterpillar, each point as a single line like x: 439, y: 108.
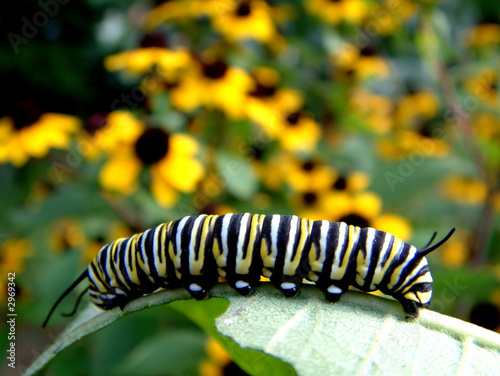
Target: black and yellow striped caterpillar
x: 194, y: 251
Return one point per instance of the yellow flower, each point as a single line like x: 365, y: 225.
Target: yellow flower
x: 219, y: 362
x: 486, y: 126
x: 214, y: 85
x: 485, y: 35
x: 66, y: 234
x: 185, y: 9
x: 13, y: 254
x: 484, y: 86
x: 288, y: 123
x: 374, y: 110
x: 412, y: 144
x: 250, y: 19
x: 465, y: 190
x: 115, y: 231
x: 265, y: 90
x: 455, y: 252
x: 364, y: 210
x: 322, y: 193
x: 169, y: 64
x: 416, y: 108
x: 336, y: 11
x: 170, y: 158
x: 388, y: 16
x: 309, y: 175
x: 361, y: 64
x: 29, y: 134
x: 393, y: 224
x: 109, y: 133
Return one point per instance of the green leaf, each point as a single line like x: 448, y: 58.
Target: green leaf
x: 174, y: 352
x: 237, y: 175
x: 361, y: 334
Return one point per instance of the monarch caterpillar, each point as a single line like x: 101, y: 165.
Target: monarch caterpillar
x: 194, y: 251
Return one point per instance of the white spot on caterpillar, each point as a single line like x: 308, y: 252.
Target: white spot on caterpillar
x: 288, y: 285
x: 334, y: 290
x: 241, y: 284
x: 194, y: 287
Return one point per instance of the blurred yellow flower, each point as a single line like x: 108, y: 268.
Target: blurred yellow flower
x: 334, y: 12
x: 484, y: 35
x: 388, y: 16
x: 286, y: 122
x: 394, y: 224
x: 109, y: 133
x: 413, y: 145
x: 219, y: 362
x: 265, y: 90
x: 464, y: 190
x: 486, y: 125
x: 181, y: 10
x: 93, y: 245
x: 65, y: 234
x: 168, y: 64
x: 249, y: 19
x: 376, y: 111
x: 309, y: 175
x: 414, y: 109
x: 361, y: 64
x: 213, y: 84
x: 13, y: 254
x: 455, y: 252
x: 170, y: 158
x: 29, y: 134
x: 484, y: 86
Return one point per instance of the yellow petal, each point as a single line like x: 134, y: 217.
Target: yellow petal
x: 163, y: 193
x: 120, y: 174
x: 394, y: 224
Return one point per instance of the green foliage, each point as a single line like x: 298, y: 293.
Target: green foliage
x: 361, y: 333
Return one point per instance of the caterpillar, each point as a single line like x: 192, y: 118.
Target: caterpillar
x: 194, y: 251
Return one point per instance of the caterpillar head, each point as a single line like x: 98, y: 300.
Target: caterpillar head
x: 419, y: 291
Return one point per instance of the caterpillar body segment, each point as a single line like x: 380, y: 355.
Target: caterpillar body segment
x: 194, y: 251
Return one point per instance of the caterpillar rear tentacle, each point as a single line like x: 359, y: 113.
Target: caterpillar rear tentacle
x: 194, y: 251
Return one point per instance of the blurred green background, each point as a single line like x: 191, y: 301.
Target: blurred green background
x: 119, y: 115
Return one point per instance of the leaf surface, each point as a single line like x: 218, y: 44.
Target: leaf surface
x: 362, y: 334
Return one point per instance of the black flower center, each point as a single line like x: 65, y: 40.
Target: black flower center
x: 367, y: 51
x: 355, y: 220
x: 95, y: 122
x: 25, y: 113
x: 154, y: 40
x: 215, y: 70
x: 308, y: 166
x: 152, y: 145
x: 340, y: 183
x: 493, y: 86
x: 256, y: 152
x: 232, y: 369
x: 309, y: 198
x: 243, y: 10
x: 262, y: 91
x: 486, y: 315
x: 293, y: 119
